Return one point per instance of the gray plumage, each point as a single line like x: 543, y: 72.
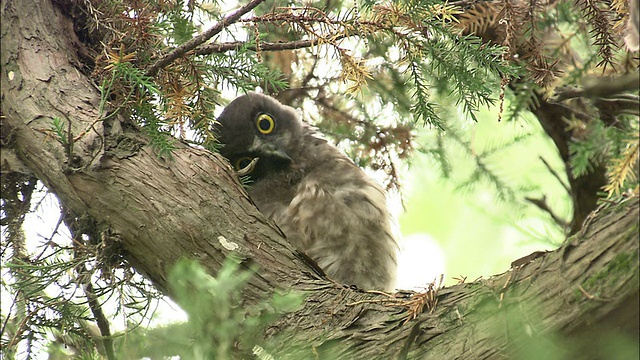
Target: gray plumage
x: 325, y: 205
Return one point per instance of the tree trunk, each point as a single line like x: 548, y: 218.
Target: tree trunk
x: 191, y: 206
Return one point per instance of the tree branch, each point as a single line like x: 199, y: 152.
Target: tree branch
x: 78, y: 228
x: 132, y: 202
x: 264, y: 46
x: 191, y: 44
x: 599, y: 87
x: 491, y: 318
x: 585, y: 188
x: 542, y: 205
x: 556, y: 175
x: 193, y: 206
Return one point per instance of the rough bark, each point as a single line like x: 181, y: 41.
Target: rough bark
x: 160, y: 210
x: 574, y: 298
x: 190, y: 206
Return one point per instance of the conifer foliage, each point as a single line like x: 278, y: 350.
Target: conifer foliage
x: 369, y: 74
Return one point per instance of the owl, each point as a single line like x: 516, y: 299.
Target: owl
x: 326, y: 205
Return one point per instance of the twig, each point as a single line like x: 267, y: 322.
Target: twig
x: 264, y: 46
x: 378, y: 292
x: 542, y: 205
x: 505, y: 286
x: 621, y: 104
x: 6, y: 319
x: 592, y: 297
x: 376, y: 301
x: 84, y: 278
x: 191, y: 44
x: 101, y: 319
x: 601, y: 87
x: 556, y: 175
x: 527, y: 259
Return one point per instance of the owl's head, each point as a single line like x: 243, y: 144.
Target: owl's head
x: 256, y: 126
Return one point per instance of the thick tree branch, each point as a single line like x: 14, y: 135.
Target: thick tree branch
x: 499, y: 317
x: 157, y: 208
x: 193, y: 207
x: 10, y: 163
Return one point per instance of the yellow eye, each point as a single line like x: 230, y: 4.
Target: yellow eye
x: 265, y: 123
x: 242, y: 163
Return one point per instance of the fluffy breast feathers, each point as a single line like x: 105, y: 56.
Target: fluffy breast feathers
x: 325, y: 205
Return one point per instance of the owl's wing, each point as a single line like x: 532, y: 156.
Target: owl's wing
x: 343, y: 223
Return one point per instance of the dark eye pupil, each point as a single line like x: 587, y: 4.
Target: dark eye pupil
x: 264, y: 125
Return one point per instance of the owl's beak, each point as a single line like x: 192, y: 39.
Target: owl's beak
x: 249, y: 168
x: 270, y: 149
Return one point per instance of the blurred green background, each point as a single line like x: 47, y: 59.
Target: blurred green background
x: 479, y: 231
